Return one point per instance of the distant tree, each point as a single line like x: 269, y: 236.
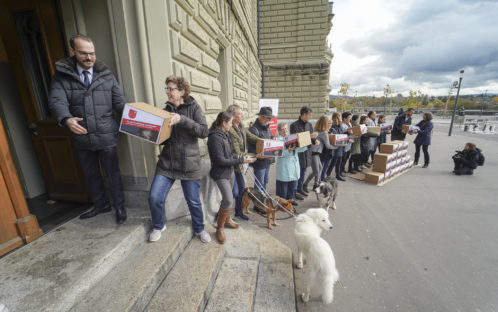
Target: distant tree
x: 425, y: 101
x: 345, y: 87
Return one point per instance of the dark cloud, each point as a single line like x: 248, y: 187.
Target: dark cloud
x: 428, y: 44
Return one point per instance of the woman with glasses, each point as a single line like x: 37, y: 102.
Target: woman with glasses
x: 180, y: 158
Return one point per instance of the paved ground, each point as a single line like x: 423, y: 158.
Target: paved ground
x: 427, y: 241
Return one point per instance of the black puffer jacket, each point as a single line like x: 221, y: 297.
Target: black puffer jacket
x: 301, y: 126
x: 69, y: 98
x: 262, y: 132
x: 180, y: 157
x: 223, y: 157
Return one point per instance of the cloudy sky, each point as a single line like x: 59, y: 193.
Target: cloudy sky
x: 419, y: 45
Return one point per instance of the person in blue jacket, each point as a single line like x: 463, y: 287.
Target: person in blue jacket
x: 423, y: 138
x: 288, y: 168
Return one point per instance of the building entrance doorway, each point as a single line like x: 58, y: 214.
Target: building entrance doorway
x: 31, y: 41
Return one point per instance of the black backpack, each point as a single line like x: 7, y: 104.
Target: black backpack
x: 480, y: 158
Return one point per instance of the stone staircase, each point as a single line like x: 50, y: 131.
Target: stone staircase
x: 95, y: 265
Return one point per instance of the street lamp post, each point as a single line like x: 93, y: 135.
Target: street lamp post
x: 456, y: 102
x: 386, y: 90
x: 354, y: 100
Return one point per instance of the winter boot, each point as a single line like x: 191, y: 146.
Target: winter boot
x: 220, y: 233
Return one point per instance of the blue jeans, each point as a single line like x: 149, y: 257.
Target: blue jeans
x: 262, y: 175
x: 238, y: 190
x: 286, y: 190
x: 326, y: 161
x: 157, y: 196
x: 300, y: 182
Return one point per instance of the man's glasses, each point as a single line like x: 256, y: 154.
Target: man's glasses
x: 85, y: 54
x: 170, y: 89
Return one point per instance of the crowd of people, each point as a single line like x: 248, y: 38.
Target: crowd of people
x: 84, y: 94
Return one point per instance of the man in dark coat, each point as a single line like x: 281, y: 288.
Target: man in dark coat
x: 302, y: 125
x: 405, y: 119
x: 84, y: 93
x: 261, y: 166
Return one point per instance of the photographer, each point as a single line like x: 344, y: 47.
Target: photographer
x: 466, y: 160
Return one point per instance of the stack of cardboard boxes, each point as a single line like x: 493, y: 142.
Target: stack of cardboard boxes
x: 392, y: 160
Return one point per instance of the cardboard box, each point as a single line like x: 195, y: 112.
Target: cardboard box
x: 374, y: 129
x: 338, y: 139
x: 409, y: 128
x: 373, y: 177
x: 387, y: 126
x: 380, y: 163
x: 357, y: 131
x: 298, y: 139
x: 146, y: 122
x: 272, y: 148
x: 389, y: 148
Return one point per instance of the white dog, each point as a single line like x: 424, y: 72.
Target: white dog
x: 317, y: 252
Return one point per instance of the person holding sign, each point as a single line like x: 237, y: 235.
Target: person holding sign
x: 239, y: 136
x: 261, y: 166
x: 180, y: 159
x: 223, y: 159
x: 302, y: 125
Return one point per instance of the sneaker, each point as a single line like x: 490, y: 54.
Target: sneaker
x: 294, y: 204
x: 204, y: 236
x: 242, y: 216
x: 155, y: 235
x: 298, y: 197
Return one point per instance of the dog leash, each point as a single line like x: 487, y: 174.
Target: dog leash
x: 265, y: 193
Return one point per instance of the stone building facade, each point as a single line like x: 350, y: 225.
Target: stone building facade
x: 231, y: 52
x: 294, y: 53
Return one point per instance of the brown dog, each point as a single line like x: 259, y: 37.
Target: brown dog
x: 257, y: 198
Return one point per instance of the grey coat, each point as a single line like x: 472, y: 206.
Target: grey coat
x: 181, y: 158
x: 69, y: 98
x: 372, y: 141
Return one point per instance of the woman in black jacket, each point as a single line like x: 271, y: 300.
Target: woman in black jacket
x: 466, y: 160
x: 223, y: 159
x: 180, y: 159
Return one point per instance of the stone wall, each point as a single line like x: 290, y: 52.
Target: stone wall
x: 295, y: 56
x: 214, y: 45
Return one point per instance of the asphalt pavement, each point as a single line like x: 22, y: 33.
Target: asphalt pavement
x: 426, y: 241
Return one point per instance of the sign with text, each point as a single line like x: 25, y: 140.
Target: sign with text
x: 273, y: 103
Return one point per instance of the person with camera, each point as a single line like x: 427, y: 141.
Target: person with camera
x: 466, y: 161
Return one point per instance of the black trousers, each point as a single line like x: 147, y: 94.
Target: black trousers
x: 425, y: 149
x: 460, y: 168
x: 90, y: 162
x: 345, y: 159
x: 337, y: 164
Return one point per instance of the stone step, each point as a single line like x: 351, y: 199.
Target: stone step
x: 131, y: 284
x: 53, y: 272
x: 275, y: 280
x: 189, y: 284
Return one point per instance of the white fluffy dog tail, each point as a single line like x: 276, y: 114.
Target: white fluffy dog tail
x: 328, y: 287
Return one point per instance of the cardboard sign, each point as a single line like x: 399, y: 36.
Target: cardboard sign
x: 272, y: 148
x: 145, y: 122
x: 373, y: 177
x: 273, y: 103
x: 387, y: 126
x: 389, y: 148
x: 381, y: 162
x: 338, y: 139
x: 298, y: 139
x: 376, y: 130
x: 357, y: 131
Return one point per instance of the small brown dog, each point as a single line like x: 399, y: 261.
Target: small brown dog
x: 257, y: 198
